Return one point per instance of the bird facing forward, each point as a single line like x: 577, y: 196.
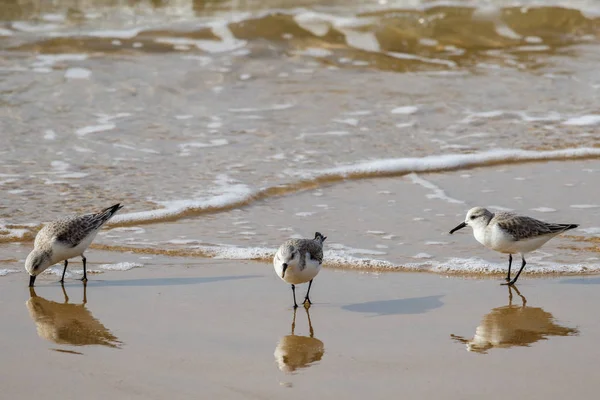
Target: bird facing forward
x: 299, y: 261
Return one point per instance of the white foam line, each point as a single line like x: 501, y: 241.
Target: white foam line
x: 454, y: 161
x: 438, y: 193
x: 332, y: 258
x: 122, y: 266
x: 342, y: 259
x: 583, y: 120
x: 239, y: 195
x: 477, y: 266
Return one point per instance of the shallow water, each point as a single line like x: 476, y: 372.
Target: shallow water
x: 226, y: 127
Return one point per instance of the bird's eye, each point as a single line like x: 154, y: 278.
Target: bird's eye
x: 293, y: 255
x: 473, y: 217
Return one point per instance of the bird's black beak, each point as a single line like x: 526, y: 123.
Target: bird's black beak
x: 284, y: 265
x: 460, y: 226
x: 32, y: 280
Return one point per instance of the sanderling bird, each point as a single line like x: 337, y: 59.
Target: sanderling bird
x: 63, y: 239
x: 510, y: 233
x: 299, y: 261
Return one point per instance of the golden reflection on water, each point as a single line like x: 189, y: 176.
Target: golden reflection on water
x: 514, y: 325
x: 295, y: 352
x: 66, y: 323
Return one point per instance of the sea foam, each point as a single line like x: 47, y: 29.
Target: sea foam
x: 230, y: 194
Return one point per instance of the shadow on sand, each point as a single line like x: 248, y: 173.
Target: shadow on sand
x: 413, y: 305
x: 165, y: 281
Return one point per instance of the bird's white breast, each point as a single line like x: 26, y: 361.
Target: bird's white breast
x: 293, y: 274
x: 496, y: 239
x: 61, y: 252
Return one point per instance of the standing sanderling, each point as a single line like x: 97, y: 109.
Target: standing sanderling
x: 299, y: 261
x: 510, y: 233
x: 63, y: 239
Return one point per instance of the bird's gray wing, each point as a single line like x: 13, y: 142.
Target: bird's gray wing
x: 315, y: 250
x: 522, y: 227
x: 71, y: 231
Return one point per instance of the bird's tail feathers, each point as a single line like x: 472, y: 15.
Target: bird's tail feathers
x: 108, y: 213
x: 320, y: 238
x: 568, y: 227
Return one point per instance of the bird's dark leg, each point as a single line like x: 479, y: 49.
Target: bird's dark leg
x: 84, y: 270
x: 307, y: 299
x: 518, y: 273
x: 62, y: 279
x: 294, y: 293
x: 509, y: 264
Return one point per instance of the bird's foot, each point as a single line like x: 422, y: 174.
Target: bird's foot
x: 84, y: 279
x: 509, y: 283
x: 307, y: 300
x: 295, y: 306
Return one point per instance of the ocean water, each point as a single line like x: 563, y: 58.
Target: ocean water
x: 226, y: 127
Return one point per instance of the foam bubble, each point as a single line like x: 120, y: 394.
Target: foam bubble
x: 78, y: 73
x: 4, y: 271
x: 340, y: 248
x: 590, y: 231
x: 405, y: 110
x: 305, y: 214
x: 274, y: 107
x: 423, y: 255
x: 94, y: 129
x: 49, y: 134
x: 583, y: 120
x: 185, y: 147
x: 544, y: 209
x: 123, y: 266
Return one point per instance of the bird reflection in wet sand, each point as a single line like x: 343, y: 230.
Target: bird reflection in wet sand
x: 514, y: 325
x: 70, y: 324
x: 294, y: 352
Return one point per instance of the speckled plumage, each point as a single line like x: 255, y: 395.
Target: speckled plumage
x: 299, y: 261
x: 305, y: 247
x: 510, y: 233
x: 521, y: 227
x: 73, y: 229
x: 65, y: 238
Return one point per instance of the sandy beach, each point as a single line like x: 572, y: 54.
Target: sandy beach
x: 226, y: 127
x: 221, y: 329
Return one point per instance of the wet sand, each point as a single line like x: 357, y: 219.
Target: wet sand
x: 213, y: 329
